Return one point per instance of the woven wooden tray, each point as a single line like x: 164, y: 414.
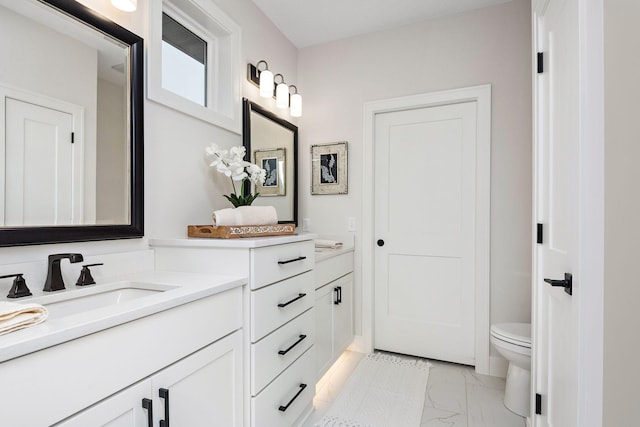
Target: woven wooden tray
x: 237, y: 231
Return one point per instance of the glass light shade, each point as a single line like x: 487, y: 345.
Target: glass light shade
x: 282, y: 95
x: 266, y: 84
x: 126, y: 5
x: 296, y: 105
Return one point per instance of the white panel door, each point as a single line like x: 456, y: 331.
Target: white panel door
x: 556, y: 200
x: 39, y: 166
x: 425, y: 204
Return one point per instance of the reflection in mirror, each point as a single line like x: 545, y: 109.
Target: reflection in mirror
x: 272, y: 143
x: 70, y: 125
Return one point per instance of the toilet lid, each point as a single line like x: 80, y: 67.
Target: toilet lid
x: 515, y: 333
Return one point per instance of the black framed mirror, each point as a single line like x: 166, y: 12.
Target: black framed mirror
x: 95, y: 189
x: 272, y: 143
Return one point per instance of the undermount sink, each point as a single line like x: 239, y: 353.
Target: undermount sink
x: 80, y: 300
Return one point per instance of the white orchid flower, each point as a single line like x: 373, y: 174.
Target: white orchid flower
x: 231, y: 163
x: 237, y: 153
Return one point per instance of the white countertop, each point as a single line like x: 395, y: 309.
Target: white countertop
x: 189, y: 287
x: 326, y: 253
x: 249, y: 242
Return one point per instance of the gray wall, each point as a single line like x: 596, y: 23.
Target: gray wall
x: 491, y: 45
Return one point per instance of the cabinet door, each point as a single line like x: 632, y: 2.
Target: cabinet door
x: 324, y: 328
x: 343, y: 314
x: 124, y: 409
x: 204, y: 389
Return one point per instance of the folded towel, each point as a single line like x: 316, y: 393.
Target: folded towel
x: 245, y: 215
x: 14, y: 316
x: 331, y: 244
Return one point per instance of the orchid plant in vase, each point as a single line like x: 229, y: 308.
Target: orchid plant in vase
x: 231, y: 163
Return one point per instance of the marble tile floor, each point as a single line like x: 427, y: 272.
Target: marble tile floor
x: 456, y: 396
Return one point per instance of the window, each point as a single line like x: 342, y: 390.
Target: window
x: 184, y: 61
x: 193, y: 61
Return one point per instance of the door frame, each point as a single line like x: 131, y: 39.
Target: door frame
x: 482, y: 96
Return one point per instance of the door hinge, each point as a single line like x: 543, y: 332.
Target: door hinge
x: 539, y: 234
x: 538, y: 404
x: 540, y: 62
x: 73, y: 137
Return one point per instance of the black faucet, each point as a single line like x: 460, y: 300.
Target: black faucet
x: 54, y: 280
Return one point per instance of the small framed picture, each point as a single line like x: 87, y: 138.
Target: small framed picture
x: 329, y: 168
x: 272, y: 161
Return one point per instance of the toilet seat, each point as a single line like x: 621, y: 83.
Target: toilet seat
x: 515, y: 333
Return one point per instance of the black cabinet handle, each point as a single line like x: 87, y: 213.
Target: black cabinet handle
x: 284, y: 408
x: 380, y: 242
x: 283, y: 352
x: 300, y: 258
x: 164, y: 394
x: 148, y: 405
x: 284, y: 304
x: 337, y: 291
x: 567, y: 283
x: 339, y: 294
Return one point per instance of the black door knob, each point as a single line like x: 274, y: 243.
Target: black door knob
x: 567, y: 283
x: 380, y: 242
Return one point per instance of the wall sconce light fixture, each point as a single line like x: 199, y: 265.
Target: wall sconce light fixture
x: 261, y: 78
x: 282, y: 92
x: 265, y: 80
x: 296, y: 102
x: 125, y: 5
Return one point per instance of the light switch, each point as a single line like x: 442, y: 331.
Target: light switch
x: 351, y: 223
x: 306, y: 224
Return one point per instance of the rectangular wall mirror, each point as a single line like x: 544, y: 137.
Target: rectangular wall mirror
x: 71, y: 125
x: 272, y: 143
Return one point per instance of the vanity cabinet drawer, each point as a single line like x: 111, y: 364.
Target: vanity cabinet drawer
x: 277, y: 304
x: 283, y: 401
x: 274, y: 263
x: 333, y: 268
x: 272, y: 354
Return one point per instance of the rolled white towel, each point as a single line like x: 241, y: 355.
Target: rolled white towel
x: 245, y: 215
x: 14, y: 316
x: 331, y: 244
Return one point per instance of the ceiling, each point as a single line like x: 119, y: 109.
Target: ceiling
x: 311, y: 22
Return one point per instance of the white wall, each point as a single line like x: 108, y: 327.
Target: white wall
x: 179, y: 188
x: 485, y: 46
x: 490, y: 45
x: 622, y: 212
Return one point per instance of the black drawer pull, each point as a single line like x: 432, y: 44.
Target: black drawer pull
x: 338, y: 291
x: 283, y: 352
x: 284, y: 408
x: 284, y: 304
x: 300, y: 258
x: 164, y: 394
x: 148, y: 405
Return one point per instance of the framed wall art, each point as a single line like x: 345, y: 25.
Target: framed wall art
x: 329, y: 168
x: 274, y: 162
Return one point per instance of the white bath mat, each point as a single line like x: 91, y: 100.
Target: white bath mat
x: 383, y: 391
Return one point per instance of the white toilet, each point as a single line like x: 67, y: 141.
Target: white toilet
x: 513, y: 342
